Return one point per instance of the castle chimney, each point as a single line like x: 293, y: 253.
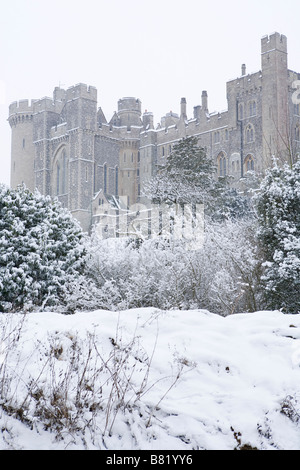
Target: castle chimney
x: 243, y: 69
x: 204, y: 100
x: 183, y: 108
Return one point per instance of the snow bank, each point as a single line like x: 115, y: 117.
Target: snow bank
x: 212, y: 382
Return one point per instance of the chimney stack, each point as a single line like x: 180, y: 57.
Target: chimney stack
x: 183, y: 108
x: 204, y: 100
x: 243, y: 69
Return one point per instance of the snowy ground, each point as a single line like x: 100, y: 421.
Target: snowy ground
x: 187, y: 380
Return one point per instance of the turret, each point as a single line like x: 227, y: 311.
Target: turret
x: 148, y: 120
x: 22, y: 147
x: 129, y: 112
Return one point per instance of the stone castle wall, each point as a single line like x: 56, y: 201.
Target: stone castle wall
x: 65, y: 146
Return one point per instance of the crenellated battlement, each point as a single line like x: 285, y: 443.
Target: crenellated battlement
x: 29, y: 108
x: 22, y: 106
x: 81, y: 90
x: 273, y: 41
x: 250, y: 83
x: 129, y: 104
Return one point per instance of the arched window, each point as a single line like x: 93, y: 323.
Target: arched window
x: 249, y: 163
x: 235, y: 164
x: 222, y: 164
x: 60, y: 169
x: 297, y: 133
x: 249, y: 133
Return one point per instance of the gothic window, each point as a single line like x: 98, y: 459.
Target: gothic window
x: 249, y: 134
x: 297, y: 109
x: 60, y: 170
x: 249, y: 163
x: 222, y: 164
x: 297, y: 133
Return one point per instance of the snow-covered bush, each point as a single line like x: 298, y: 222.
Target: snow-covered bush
x: 41, y: 249
x: 222, y: 276
x: 232, y: 266
x: 128, y: 275
x: 278, y: 208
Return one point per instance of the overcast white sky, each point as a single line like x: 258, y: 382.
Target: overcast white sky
x: 156, y: 50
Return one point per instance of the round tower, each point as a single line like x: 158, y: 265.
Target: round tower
x: 129, y: 112
x: 22, y: 147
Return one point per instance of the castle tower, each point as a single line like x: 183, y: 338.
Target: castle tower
x: 129, y: 118
x: 80, y: 115
x: 274, y: 97
x: 22, y: 147
x: 46, y: 115
x: 129, y: 112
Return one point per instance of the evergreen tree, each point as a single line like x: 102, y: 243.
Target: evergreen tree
x: 189, y: 176
x: 278, y: 209
x: 40, y: 249
x: 186, y: 176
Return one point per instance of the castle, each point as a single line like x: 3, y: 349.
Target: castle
x: 65, y: 147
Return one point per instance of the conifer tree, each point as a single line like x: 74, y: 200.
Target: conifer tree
x: 278, y: 210
x: 186, y: 176
x: 40, y: 249
x: 189, y: 176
